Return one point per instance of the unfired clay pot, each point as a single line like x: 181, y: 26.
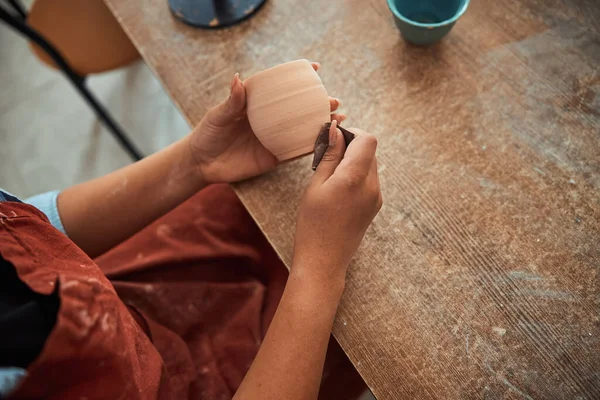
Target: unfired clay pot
x: 287, y: 106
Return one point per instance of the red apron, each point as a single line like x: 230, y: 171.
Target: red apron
x: 177, y: 311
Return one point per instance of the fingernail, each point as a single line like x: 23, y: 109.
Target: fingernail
x: 318, y: 64
x: 333, y: 133
x: 235, y: 79
x: 339, y: 102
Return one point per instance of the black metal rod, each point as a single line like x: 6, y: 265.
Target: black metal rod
x: 77, y: 81
x: 18, y: 7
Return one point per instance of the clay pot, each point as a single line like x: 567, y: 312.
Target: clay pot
x: 287, y: 106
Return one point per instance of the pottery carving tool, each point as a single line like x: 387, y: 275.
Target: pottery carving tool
x: 322, y: 142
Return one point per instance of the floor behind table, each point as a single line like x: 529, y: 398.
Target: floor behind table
x: 51, y: 139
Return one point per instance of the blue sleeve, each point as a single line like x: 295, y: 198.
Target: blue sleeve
x: 10, y: 377
x: 46, y: 203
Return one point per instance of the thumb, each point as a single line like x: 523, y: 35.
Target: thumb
x: 232, y: 108
x: 333, y: 156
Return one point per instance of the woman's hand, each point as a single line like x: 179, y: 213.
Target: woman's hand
x: 338, y: 206
x: 223, y: 144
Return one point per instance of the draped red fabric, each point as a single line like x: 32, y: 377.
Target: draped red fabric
x: 177, y: 311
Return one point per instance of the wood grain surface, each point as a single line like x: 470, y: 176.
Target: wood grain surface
x: 480, y: 276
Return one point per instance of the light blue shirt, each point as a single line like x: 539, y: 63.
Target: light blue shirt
x: 10, y: 377
x: 47, y: 203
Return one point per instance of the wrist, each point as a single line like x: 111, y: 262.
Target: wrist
x: 322, y: 279
x: 191, y: 162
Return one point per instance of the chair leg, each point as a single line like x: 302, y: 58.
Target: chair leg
x: 19, y: 8
x: 76, y: 80
x: 107, y: 119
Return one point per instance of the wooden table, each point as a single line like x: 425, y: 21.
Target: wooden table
x: 480, y: 276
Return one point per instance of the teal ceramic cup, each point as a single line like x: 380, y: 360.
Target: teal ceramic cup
x: 424, y: 22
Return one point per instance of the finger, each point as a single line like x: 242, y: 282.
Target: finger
x: 334, y: 155
x: 373, y: 181
x: 373, y: 175
x: 232, y: 108
x: 360, y: 153
x: 334, y: 104
x: 338, y: 117
x: 315, y: 65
